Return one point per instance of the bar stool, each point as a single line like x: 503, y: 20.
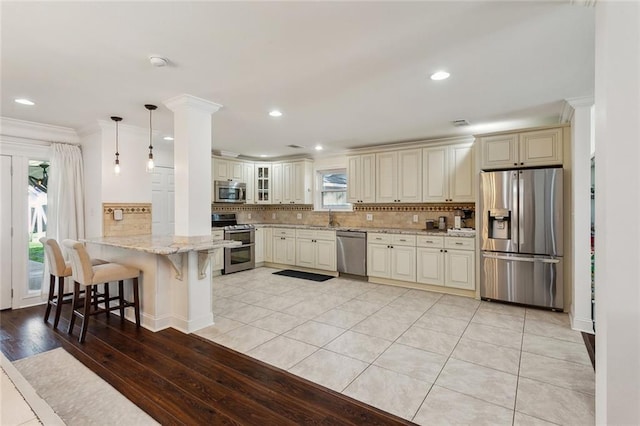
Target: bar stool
x: 58, y: 269
x: 89, y: 276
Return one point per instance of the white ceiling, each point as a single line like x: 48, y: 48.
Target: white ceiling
x: 344, y: 74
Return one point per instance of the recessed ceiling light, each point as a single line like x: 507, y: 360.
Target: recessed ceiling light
x: 168, y: 138
x: 275, y: 113
x: 440, y: 75
x: 318, y: 147
x: 24, y: 101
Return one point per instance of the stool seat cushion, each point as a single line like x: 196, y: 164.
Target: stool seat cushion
x: 108, y: 272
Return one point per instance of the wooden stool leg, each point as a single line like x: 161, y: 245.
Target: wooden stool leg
x: 74, y: 304
x: 136, y: 301
x: 121, y: 298
x: 85, y: 322
x: 52, y: 288
x: 106, y: 299
x: 59, y: 301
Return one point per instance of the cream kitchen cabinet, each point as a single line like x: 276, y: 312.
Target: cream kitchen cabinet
x: 448, y: 173
x: 262, y: 173
x: 284, y: 246
x: 292, y: 182
x: 259, y: 245
x: 430, y: 260
x: 399, y: 176
x: 248, y: 177
x: 391, y: 256
x: 316, y: 249
x: 361, y: 178
x: 523, y: 149
x: 225, y: 169
x: 268, y: 244
x: 217, y: 257
x: 446, y: 261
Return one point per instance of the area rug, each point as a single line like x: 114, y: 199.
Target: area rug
x: 76, y: 394
x: 303, y: 275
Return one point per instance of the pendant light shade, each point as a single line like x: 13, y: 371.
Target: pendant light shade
x: 150, y: 164
x: 116, y: 167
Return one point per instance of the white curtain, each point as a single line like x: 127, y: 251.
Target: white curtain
x: 65, y: 196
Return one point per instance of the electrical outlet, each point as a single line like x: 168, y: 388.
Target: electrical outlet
x: 299, y: 215
x: 249, y: 216
x: 369, y: 216
x: 415, y: 218
x: 273, y: 215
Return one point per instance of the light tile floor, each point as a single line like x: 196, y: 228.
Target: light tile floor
x: 426, y: 357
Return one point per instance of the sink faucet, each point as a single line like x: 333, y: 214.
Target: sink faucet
x: 332, y: 220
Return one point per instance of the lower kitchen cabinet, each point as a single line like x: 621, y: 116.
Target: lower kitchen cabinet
x: 259, y: 245
x: 268, y: 244
x: 392, y: 256
x: 284, y: 246
x: 217, y: 260
x: 459, y: 269
x: 430, y: 266
x: 446, y: 261
x: 316, y: 249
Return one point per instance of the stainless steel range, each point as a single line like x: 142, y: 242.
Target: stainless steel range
x: 236, y: 258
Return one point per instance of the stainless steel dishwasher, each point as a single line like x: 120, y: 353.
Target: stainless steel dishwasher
x: 352, y: 252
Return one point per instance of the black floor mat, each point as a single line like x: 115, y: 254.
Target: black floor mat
x: 303, y: 275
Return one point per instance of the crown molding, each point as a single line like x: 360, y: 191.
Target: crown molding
x: 37, y: 131
x: 193, y: 102
x: 570, y: 104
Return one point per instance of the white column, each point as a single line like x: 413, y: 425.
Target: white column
x: 192, y: 162
x: 581, y: 135
x: 617, y: 233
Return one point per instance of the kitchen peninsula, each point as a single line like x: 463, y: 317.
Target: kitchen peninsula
x: 176, y: 275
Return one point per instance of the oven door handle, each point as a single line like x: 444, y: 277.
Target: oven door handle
x: 242, y: 246
x: 237, y: 231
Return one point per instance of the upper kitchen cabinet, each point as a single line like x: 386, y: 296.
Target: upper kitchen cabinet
x: 361, y: 178
x: 522, y: 149
x: 399, y: 176
x: 292, y: 182
x: 262, y: 173
x: 225, y: 169
x: 248, y: 177
x: 448, y: 173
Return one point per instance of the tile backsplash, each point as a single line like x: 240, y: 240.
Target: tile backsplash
x: 382, y: 215
x: 136, y: 219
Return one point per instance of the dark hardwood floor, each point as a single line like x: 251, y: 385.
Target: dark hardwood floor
x: 184, y: 379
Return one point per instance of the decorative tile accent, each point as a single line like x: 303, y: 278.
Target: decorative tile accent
x: 385, y: 215
x: 136, y: 219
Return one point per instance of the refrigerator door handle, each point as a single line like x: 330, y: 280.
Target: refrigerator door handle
x: 520, y: 259
x: 520, y: 201
x: 517, y: 259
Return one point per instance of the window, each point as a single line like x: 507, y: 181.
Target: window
x: 332, y: 192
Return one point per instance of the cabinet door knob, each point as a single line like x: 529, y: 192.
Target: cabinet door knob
x: 522, y: 164
x: 515, y: 164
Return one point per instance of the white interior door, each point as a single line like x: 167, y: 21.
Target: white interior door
x: 162, y: 201
x: 5, y: 232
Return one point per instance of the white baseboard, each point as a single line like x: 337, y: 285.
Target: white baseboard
x: 582, y: 324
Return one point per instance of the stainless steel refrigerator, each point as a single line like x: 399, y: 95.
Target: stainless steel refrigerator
x: 521, y: 236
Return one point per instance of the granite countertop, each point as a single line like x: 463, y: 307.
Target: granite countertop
x: 378, y: 230
x: 165, y: 245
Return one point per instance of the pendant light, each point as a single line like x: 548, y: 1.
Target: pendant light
x: 116, y: 167
x: 150, y: 164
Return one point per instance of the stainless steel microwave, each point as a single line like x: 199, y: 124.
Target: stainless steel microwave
x: 229, y: 191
